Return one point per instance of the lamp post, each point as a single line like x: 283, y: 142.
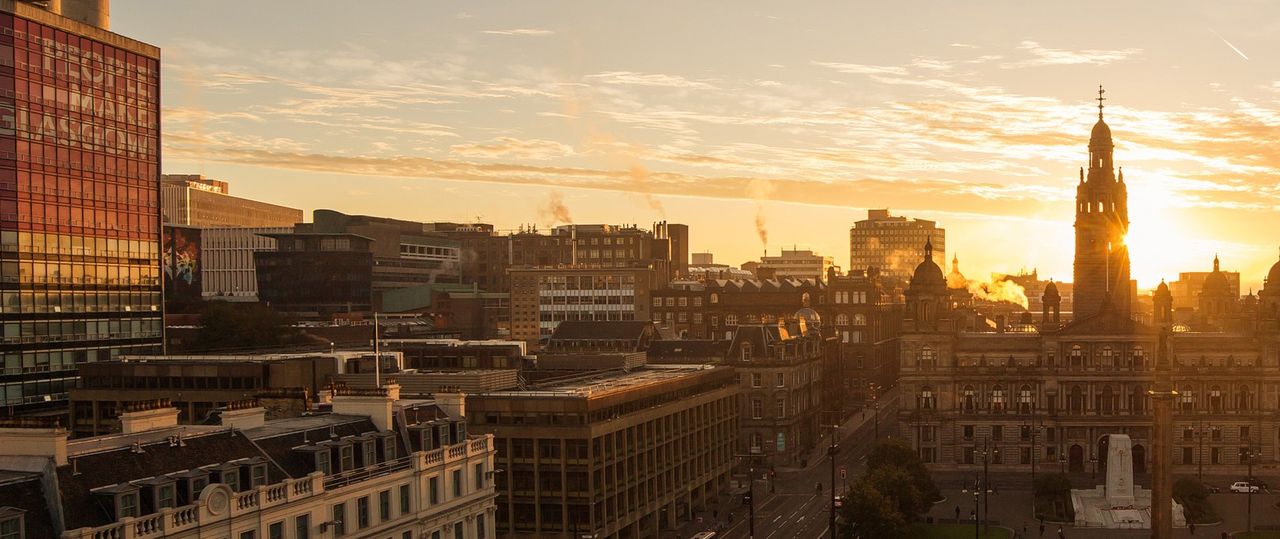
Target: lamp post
x: 1248, y: 455
x: 976, y: 507
x: 1093, y: 475
x: 751, y: 492
x: 1035, y: 431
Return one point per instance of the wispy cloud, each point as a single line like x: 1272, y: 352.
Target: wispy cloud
x: 1044, y: 56
x: 862, y: 69
x: 1228, y: 43
x: 631, y: 78
x: 520, y: 32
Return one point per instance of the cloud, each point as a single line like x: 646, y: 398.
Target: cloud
x: 647, y: 79
x: 862, y: 69
x: 1043, y: 56
x: 520, y: 32
x: 532, y: 149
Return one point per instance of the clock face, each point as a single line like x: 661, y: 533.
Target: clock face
x: 218, y: 501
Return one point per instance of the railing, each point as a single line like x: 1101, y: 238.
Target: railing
x: 360, y: 474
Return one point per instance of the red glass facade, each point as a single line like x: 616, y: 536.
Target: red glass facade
x: 79, y: 201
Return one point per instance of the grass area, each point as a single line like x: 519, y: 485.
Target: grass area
x: 1258, y: 535
x: 1202, y: 512
x: 1055, y: 508
x: 953, y: 531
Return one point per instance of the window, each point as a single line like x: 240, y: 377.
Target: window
x: 457, y: 483
x: 251, y: 534
x: 128, y: 505
x: 11, y: 528
x: 926, y: 401
x: 322, y: 462
x: 780, y: 380
x: 928, y: 357
x: 347, y: 458
x: 384, y: 506
x: 404, y: 499
x: 1215, y: 455
x: 362, y: 512
x: 479, y: 471
x: 968, y: 432
x: 1139, y: 357
x: 164, y: 496
x: 969, y: 401
x: 755, y: 380
x: 781, y: 408
x: 1215, y: 433
x: 859, y: 319
x: 302, y: 527
x: 370, y: 453
x: 997, y: 399
x: 339, y: 519
x: 1244, y: 433
x: 257, y: 475
x: 275, y: 530
x: 1187, y: 455
x: 757, y: 409
x: 997, y: 432
x: 1026, y: 402
x: 1077, y: 356
x: 480, y: 531
x: 842, y: 319
x: 1187, y: 433
x: 434, y: 490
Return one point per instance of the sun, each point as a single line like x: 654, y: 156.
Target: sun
x: 1157, y: 239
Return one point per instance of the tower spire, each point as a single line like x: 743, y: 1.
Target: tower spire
x: 1100, y: 100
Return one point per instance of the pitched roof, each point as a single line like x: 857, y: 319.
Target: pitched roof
x: 600, y: 330
x: 665, y: 350
x: 24, y: 491
x: 278, y: 438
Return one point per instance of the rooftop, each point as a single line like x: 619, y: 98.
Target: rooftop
x: 606, y: 383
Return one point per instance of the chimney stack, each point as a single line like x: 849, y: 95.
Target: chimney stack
x: 36, y: 437
x: 452, y: 401
x: 147, y: 415
x: 245, y: 414
x: 375, y: 403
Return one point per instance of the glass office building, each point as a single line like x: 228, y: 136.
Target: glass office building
x: 79, y: 201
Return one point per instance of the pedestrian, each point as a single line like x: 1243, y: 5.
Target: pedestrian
x: 1024, y: 529
x: 957, y: 514
x: 1041, y: 526
x: 1061, y: 534
x: 1191, y: 526
x: 973, y: 515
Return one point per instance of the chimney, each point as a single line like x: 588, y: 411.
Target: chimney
x: 148, y: 415
x: 375, y: 403
x: 35, y: 437
x: 245, y: 414
x: 92, y: 12
x: 452, y: 401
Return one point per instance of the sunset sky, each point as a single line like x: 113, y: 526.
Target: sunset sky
x: 973, y: 114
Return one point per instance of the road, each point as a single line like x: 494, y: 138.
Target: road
x: 796, y: 510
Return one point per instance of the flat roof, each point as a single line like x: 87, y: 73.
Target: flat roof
x: 605, y: 383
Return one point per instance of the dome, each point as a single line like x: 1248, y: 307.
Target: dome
x: 811, y: 317
x: 1101, y: 134
x: 1162, y: 289
x: 927, y: 275
x: 1273, y: 277
x: 1051, y: 291
x: 1216, y: 283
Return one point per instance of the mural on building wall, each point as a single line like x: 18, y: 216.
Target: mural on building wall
x: 182, y: 267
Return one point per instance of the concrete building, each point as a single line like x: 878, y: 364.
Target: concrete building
x: 610, y: 454
x: 434, y: 354
x: 317, y: 275
x: 794, y: 264
x: 892, y: 243
x: 541, y: 298
x: 202, y: 264
x: 193, y: 200
x: 200, y: 384
x: 80, y: 206
x: 373, y: 467
x: 404, y: 253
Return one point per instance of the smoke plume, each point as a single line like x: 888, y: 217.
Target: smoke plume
x: 760, y: 191
x: 1006, y: 291
x: 555, y: 211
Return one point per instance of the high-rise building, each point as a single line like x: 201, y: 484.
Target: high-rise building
x: 1102, y: 220
x: 892, y: 243
x: 193, y: 200
x: 79, y: 196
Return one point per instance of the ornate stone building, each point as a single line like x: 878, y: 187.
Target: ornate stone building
x: 1048, y: 397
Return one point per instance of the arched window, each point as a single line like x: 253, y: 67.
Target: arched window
x: 1026, y: 401
x: 1242, y: 398
x: 997, y: 399
x: 715, y: 298
x: 1107, y: 400
x: 970, y: 400
x: 1075, y: 401
x: 1108, y: 357
x: 1077, y: 356
x: 1139, y: 357
x: 928, y: 358
x: 842, y: 320
x: 1215, y: 398
x: 1138, y: 399
x: 926, y: 401
x: 859, y: 319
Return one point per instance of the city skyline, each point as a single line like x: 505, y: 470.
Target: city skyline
x: 802, y: 120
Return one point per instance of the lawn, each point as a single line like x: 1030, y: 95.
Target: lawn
x: 1258, y: 535
x: 953, y: 531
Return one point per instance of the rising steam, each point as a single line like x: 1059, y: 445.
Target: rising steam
x: 1000, y: 291
x: 555, y: 211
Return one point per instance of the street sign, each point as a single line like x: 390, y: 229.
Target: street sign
x: 844, y: 472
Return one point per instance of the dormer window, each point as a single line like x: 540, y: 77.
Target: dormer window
x: 12, y: 523
x: 746, y: 351
x: 388, y: 448
x: 227, y: 474
x: 257, y: 475
x: 190, y: 483
x: 369, y: 452
x: 157, y: 493
x: 123, y: 499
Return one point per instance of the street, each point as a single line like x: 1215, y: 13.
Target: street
x: 796, y: 509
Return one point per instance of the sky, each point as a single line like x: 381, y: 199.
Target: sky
x: 761, y: 125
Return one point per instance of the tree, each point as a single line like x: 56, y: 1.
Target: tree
x: 868, y: 513
x: 898, y: 454
x: 238, y: 326
x: 901, y: 489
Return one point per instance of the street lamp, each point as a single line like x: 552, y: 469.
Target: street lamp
x: 986, y: 480
x: 1093, y: 475
x: 976, y: 485
x: 751, y: 492
x: 1249, y: 453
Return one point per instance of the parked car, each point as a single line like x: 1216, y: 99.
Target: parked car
x: 1257, y: 483
x: 1244, y: 486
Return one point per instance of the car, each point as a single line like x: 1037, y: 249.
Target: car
x: 1257, y: 483
x: 839, y: 502
x: 1244, y: 486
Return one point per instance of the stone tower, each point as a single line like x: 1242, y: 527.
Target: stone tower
x: 1102, y: 220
